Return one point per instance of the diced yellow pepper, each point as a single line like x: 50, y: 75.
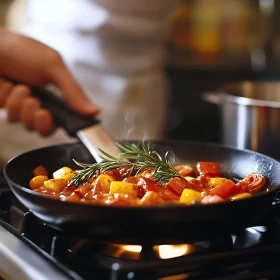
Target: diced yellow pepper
x: 104, y: 181
x: 37, y: 181
x: 240, y: 196
x: 189, y: 196
x: 123, y: 187
x: 217, y: 181
x: 40, y: 170
x: 55, y: 184
x: 65, y: 173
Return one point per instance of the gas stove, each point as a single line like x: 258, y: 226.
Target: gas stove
x: 30, y: 249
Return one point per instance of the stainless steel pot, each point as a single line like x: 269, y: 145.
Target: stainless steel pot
x: 250, y: 115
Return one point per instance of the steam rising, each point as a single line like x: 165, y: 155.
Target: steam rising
x: 131, y: 130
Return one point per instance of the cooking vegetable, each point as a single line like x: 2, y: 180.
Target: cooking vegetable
x: 190, y: 196
x: 215, y: 182
x: 210, y: 169
x: 184, y: 170
x: 123, y: 187
x: 254, y: 182
x: 55, y: 185
x: 141, y: 177
x: 225, y: 190
x: 40, y: 170
x: 103, y: 183
x: 65, y: 173
x: 37, y: 181
x: 139, y: 159
x: 177, y: 185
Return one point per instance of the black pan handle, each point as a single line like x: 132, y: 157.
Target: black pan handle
x: 63, y: 115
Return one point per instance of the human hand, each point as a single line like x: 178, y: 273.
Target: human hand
x: 33, y: 63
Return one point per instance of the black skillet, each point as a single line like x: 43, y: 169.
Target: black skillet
x: 154, y: 225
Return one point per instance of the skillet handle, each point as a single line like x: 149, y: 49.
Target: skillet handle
x: 63, y: 115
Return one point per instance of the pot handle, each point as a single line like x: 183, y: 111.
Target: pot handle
x: 212, y: 97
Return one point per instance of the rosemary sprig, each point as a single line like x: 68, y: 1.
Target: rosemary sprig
x: 137, y: 158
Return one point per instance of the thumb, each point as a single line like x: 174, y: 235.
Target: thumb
x: 71, y: 91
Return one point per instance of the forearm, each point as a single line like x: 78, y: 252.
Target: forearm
x: 4, y: 42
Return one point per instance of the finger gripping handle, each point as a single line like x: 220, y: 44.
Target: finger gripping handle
x: 63, y: 115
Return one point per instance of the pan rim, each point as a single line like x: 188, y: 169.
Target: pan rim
x: 148, y: 208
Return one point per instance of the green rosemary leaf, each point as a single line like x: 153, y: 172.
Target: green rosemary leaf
x: 137, y: 158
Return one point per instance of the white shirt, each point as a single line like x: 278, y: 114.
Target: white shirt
x: 116, y: 51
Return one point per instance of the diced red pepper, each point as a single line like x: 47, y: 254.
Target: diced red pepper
x: 200, y: 183
x: 145, y: 185
x: 184, y: 170
x: 177, y: 185
x: 210, y: 169
x: 225, y: 190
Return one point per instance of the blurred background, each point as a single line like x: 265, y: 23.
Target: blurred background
x: 210, y: 42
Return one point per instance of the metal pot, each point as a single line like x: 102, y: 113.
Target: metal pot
x: 250, y: 115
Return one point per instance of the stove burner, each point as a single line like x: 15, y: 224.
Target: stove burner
x: 148, y: 252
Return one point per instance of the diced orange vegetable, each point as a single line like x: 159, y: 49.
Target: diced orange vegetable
x: 38, y: 181
x: 55, y: 184
x: 40, y: 170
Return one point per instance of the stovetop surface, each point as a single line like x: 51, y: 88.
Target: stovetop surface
x: 252, y: 253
